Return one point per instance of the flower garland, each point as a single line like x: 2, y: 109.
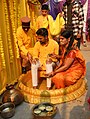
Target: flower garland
x: 17, y: 13
x: 2, y: 51
x: 13, y: 15
x: 34, y: 1
x: 8, y: 30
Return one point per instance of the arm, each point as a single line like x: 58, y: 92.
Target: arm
x: 56, y: 48
x: 37, y: 24
x: 36, y: 50
x: 20, y: 42
x: 68, y: 62
x: 66, y: 65
x: 81, y: 19
x: 55, y: 56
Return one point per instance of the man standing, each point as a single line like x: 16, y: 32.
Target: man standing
x: 55, y: 7
x: 42, y: 49
x: 25, y: 39
x: 85, y: 9
x: 45, y: 20
x: 74, y: 17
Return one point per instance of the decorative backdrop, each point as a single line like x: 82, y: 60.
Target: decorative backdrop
x: 10, y: 67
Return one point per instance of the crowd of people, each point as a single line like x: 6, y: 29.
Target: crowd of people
x: 54, y: 45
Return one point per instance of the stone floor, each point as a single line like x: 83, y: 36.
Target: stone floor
x: 76, y: 109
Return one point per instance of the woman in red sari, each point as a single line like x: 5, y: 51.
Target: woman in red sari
x: 72, y: 64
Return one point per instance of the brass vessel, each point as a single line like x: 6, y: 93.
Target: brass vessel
x: 12, y: 95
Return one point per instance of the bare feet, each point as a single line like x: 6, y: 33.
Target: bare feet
x: 34, y: 87
x: 48, y: 88
x: 84, y: 44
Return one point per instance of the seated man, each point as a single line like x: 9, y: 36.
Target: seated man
x: 72, y: 64
x: 25, y: 39
x: 43, y: 47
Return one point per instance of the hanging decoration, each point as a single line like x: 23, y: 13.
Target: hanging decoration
x: 42, y: 1
x: 37, y: 1
x: 34, y: 2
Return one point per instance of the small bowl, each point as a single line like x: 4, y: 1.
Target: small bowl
x: 7, y: 110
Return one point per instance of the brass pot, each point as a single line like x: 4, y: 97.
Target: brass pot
x: 12, y: 95
x: 7, y: 110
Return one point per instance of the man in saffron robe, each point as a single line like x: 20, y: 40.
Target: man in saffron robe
x: 25, y: 39
x: 72, y: 64
x: 43, y: 47
x: 45, y: 20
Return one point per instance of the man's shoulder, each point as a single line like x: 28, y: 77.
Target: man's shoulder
x: 39, y: 17
x: 49, y: 15
x: 19, y: 28
x: 37, y: 43
x: 53, y: 42
x: 32, y: 30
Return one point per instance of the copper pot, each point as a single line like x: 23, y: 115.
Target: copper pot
x: 12, y: 95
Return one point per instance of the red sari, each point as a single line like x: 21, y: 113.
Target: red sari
x: 76, y: 71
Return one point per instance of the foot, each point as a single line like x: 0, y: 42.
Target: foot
x: 34, y: 87
x: 48, y: 88
x: 84, y: 44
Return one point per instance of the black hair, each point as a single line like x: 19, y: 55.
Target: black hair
x: 44, y: 7
x: 68, y: 34
x: 42, y: 32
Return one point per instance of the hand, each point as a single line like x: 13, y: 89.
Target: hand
x: 55, y: 56
x: 50, y: 74
x: 61, y: 14
x: 40, y: 68
x: 34, y: 61
x: 29, y: 57
x: 78, y: 35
